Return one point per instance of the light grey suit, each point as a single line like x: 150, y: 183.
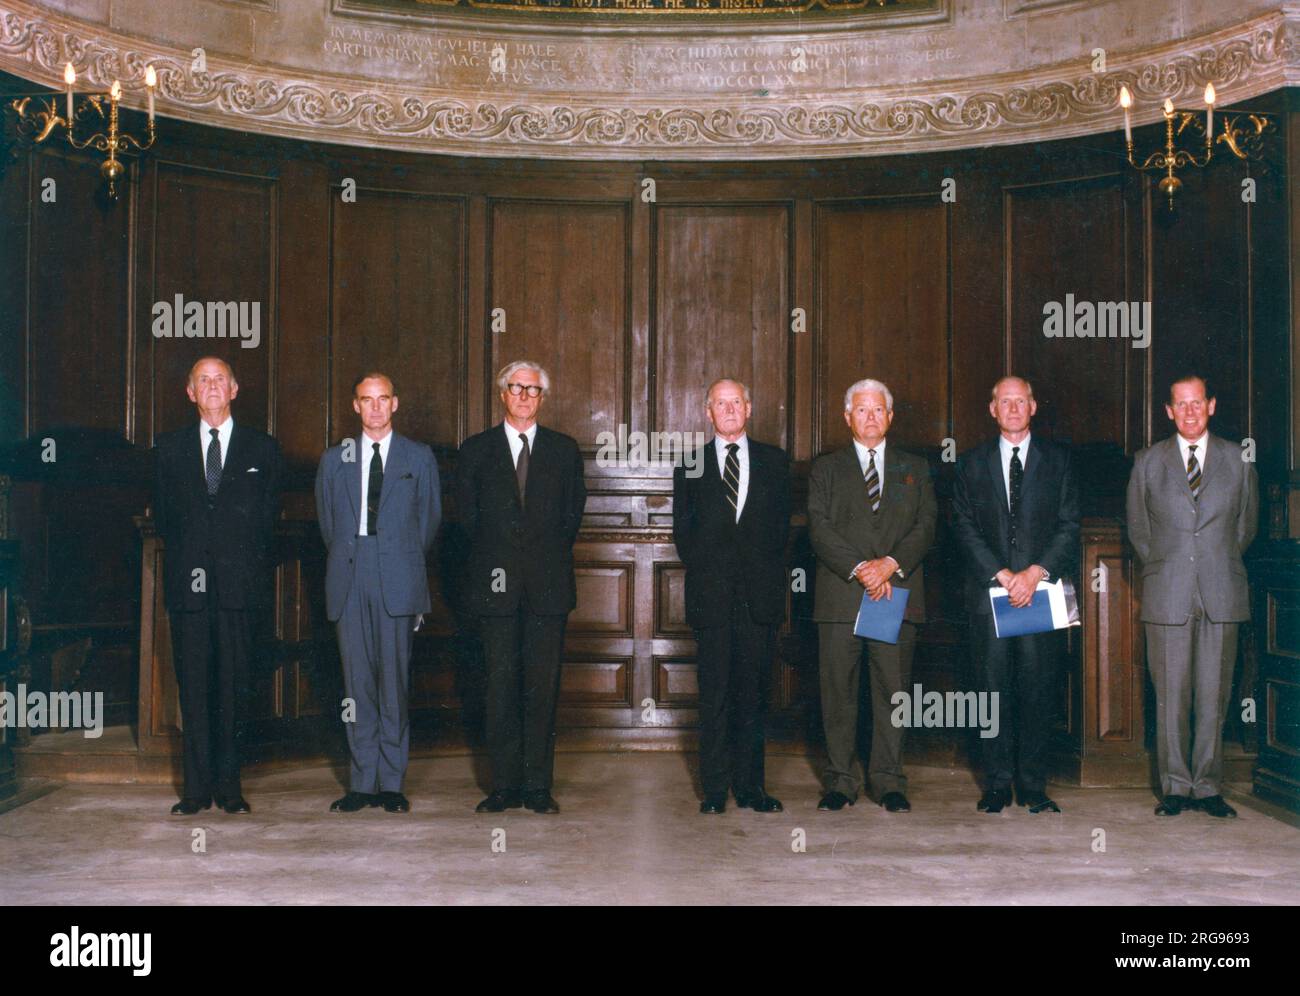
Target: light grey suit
x: 375, y: 586
x: 1194, y: 593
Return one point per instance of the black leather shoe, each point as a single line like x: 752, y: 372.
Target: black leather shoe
x: 1172, y: 805
x: 1038, y: 802
x: 394, y: 802
x: 499, y: 802
x: 834, y: 801
x: 189, y: 806
x: 895, y: 802
x: 1215, y: 806
x: 994, y: 800
x: 541, y: 802
x: 759, y: 802
x: 714, y: 804
x: 233, y: 806
x: 354, y: 801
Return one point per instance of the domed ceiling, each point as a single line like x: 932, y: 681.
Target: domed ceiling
x: 660, y: 79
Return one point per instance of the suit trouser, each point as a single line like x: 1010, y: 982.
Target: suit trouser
x: 1023, y: 672
x: 211, y: 648
x: 376, y: 652
x: 1191, y: 667
x: 839, y: 658
x: 734, y: 662
x: 522, y: 652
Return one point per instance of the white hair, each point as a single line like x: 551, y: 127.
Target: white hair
x: 510, y: 369
x: 744, y: 391
x: 868, y: 385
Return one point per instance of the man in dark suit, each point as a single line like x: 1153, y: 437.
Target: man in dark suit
x: 871, y: 519
x: 520, y: 495
x: 730, y: 524
x: 215, y: 501
x: 1193, y: 508
x: 378, y: 502
x: 1016, y: 517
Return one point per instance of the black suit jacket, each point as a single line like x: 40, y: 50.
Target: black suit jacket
x: 532, y: 543
x: 1047, y: 533
x: 718, y: 551
x: 230, y: 540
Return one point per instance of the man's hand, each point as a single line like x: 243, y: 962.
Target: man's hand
x: 872, y: 574
x: 1020, y: 585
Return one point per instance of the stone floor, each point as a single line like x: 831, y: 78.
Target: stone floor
x: 629, y: 832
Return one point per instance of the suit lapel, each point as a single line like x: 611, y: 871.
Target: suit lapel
x: 1174, y: 459
x: 994, y: 465
x: 505, y: 462
x: 1032, y: 468
x: 755, y: 482
x: 394, y: 469
x: 234, y: 455
x: 198, y: 475
x: 352, y: 476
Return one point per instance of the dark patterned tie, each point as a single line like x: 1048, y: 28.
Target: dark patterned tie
x: 731, y: 476
x: 373, y: 490
x: 214, y: 462
x: 1193, y: 472
x: 521, y: 468
x: 1017, y: 476
x: 873, y: 481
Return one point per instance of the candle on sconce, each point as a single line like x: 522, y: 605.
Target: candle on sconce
x: 69, y: 77
x: 1209, y: 111
x: 1126, y: 101
x: 1169, y: 108
x: 150, y: 81
x: 115, y: 91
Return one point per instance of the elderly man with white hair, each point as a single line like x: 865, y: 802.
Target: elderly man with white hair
x: 871, y: 518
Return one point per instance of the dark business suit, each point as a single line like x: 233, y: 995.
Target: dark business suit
x: 217, y: 564
x: 1194, y: 594
x: 375, y: 587
x: 736, y: 583
x: 844, y: 532
x: 1022, y: 670
x: 519, y: 582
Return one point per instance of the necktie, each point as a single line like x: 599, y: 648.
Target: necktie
x: 1193, y: 472
x: 1017, y: 476
x: 873, y: 481
x: 521, y: 468
x: 373, y: 490
x: 214, y: 463
x: 731, y: 476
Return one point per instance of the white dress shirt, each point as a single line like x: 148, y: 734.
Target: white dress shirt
x: 742, y: 455
x: 516, y: 445
x: 1004, y: 450
x: 224, y: 431
x: 1201, y: 445
x: 366, y: 456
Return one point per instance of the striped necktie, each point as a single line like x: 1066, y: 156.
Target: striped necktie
x: 731, y: 476
x: 873, y: 481
x: 1193, y: 472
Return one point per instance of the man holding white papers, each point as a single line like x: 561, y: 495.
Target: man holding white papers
x: 1193, y: 508
x: 871, y: 519
x: 1016, y: 516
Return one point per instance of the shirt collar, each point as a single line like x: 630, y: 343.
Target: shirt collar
x: 862, y: 451
x: 223, y: 430
x: 742, y: 443
x: 1200, y: 444
x: 1005, y: 445
x: 384, y: 444
x: 512, y: 434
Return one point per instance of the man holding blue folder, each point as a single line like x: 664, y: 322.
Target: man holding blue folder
x: 871, y: 519
x: 1016, y: 516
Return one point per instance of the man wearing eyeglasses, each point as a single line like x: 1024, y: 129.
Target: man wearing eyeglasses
x: 520, y: 496
x: 1193, y: 507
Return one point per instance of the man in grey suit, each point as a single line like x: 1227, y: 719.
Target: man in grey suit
x: 871, y: 518
x: 1193, y: 507
x: 379, y: 504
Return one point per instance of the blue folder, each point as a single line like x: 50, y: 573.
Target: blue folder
x: 1036, y: 617
x: 881, y: 620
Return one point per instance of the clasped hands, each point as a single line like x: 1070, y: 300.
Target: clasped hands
x: 874, y: 575
x: 1021, y: 585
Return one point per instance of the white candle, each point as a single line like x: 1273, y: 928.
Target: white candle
x: 1209, y: 111
x: 150, y: 81
x: 69, y: 77
x: 1125, y: 100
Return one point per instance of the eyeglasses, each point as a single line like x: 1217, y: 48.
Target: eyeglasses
x: 532, y: 390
